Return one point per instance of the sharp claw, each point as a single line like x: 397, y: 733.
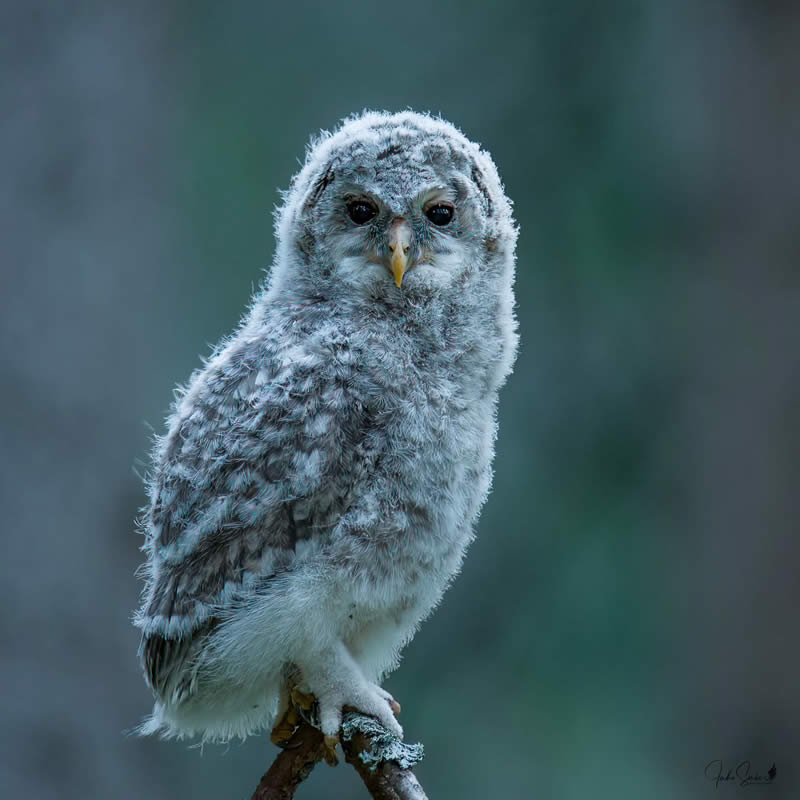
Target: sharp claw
x: 330, y: 743
x: 395, y: 706
x: 283, y: 729
x: 307, y: 706
x: 302, y: 700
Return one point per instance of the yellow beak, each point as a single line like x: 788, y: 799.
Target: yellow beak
x: 399, y: 244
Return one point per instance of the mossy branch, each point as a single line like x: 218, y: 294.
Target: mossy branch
x: 380, y: 758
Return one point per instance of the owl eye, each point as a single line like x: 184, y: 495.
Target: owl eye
x: 441, y: 214
x: 361, y: 211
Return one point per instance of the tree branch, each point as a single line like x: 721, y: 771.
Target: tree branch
x: 382, y: 761
x: 292, y: 765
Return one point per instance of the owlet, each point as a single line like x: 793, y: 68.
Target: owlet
x: 321, y: 475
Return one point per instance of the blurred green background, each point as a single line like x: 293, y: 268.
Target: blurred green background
x: 629, y: 610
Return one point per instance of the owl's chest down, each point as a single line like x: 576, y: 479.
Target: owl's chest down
x: 423, y: 454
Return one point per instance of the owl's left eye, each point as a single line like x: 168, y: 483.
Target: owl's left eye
x: 361, y: 211
x: 440, y: 214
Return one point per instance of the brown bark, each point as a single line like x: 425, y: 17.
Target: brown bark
x: 292, y: 765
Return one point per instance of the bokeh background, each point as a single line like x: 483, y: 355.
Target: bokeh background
x: 629, y: 610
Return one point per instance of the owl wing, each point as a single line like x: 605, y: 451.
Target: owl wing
x: 253, y: 465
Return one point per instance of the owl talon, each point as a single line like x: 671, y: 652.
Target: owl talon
x: 330, y: 743
x: 302, y: 700
x: 301, y: 706
x: 393, y: 704
x: 284, y: 728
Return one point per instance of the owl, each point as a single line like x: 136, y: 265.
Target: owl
x: 322, y: 473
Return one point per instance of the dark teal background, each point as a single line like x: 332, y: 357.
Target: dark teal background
x: 629, y: 609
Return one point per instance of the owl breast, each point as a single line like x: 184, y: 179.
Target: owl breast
x: 425, y: 453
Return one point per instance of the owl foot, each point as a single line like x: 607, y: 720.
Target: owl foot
x: 336, y: 680
x: 302, y: 701
x: 367, y: 698
x: 302, y: 707
x: 287, y: 725
x: 297, y: 706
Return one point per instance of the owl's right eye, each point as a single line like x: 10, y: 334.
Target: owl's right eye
x: 361, y: 211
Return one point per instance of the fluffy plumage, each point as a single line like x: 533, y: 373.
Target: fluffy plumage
x: 322, y: 473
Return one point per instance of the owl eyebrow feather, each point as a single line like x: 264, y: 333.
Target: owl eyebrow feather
x: 321, y: 185
x: 392, y: 150
x: 477, y: 177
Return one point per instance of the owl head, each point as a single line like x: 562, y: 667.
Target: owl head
x: 397, y: 207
